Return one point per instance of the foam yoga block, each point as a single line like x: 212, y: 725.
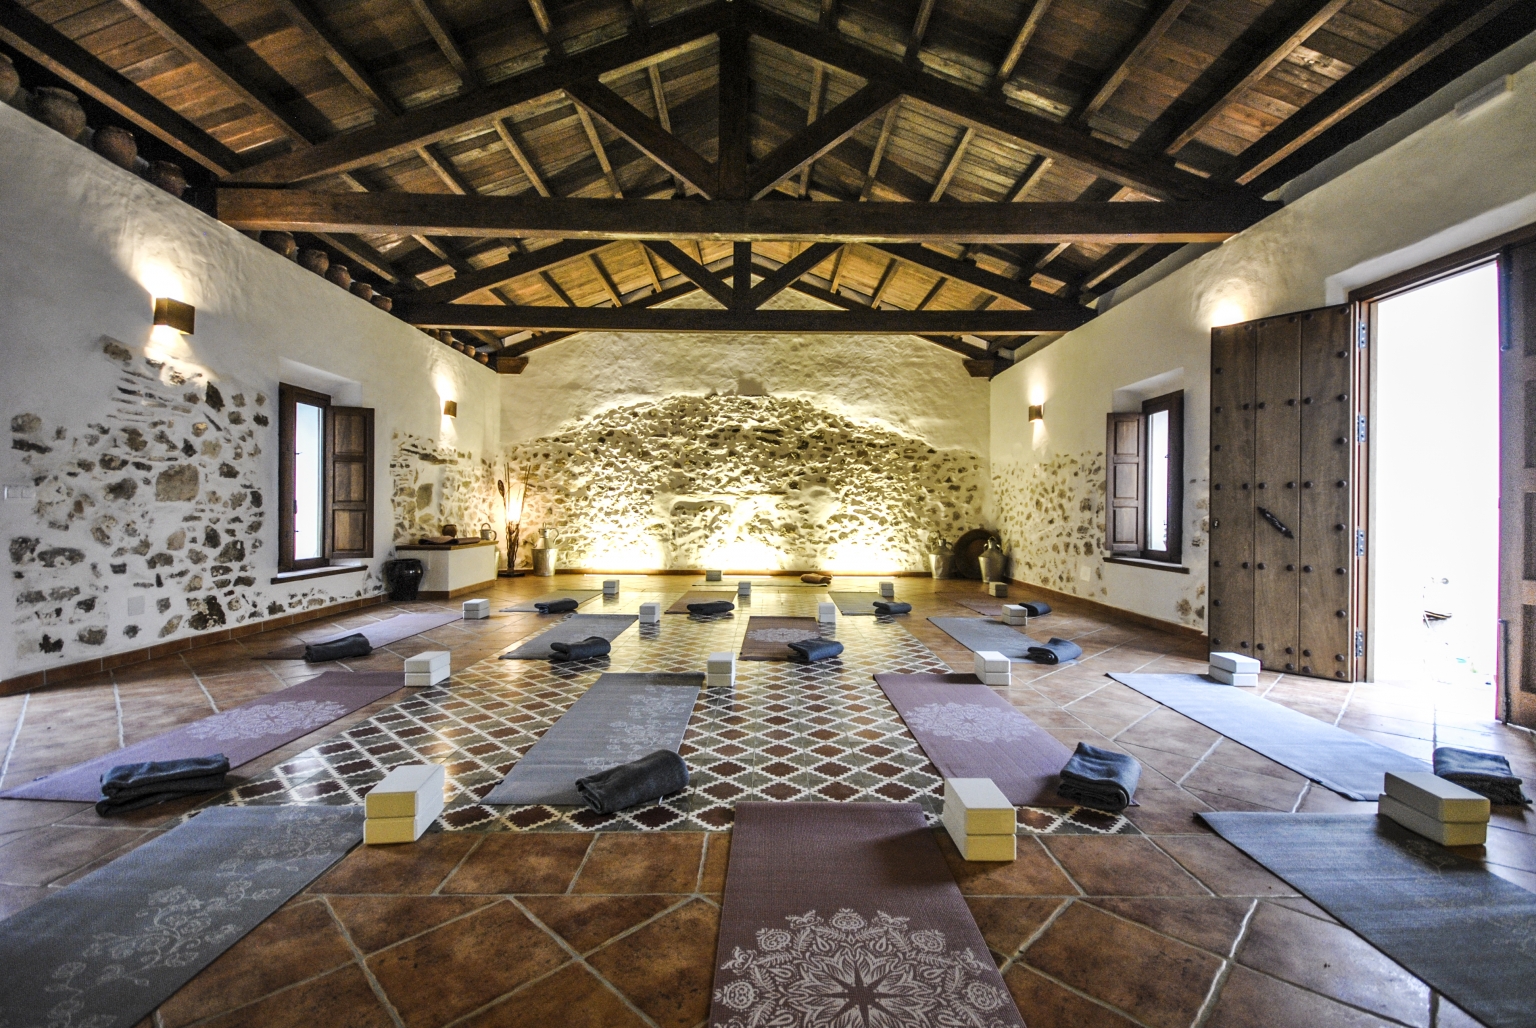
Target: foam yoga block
x: 610, y: 587
x: 427, y: 668
x: 993, y: 668
x: 474, y: 610
x: 403, y: 806
x: 1467, y: 833
x: 720, y: 671
x: 650, y: 613
x: 980, y: 820
x: 1234, y: 663
x: 712, y: 576
x: 826, y: 613
x: 997, y: 588
x: 743, y: 588
x: 350, y: 646
x: 812, y: 650
x: 888, y: 590
x: 1233, y: 677
x: 1437, y: 798
x: 1015, y: 614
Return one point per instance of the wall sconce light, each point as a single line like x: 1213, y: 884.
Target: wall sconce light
x: 175, y: 314
x: 1037, y: 412
x: 451, y: 408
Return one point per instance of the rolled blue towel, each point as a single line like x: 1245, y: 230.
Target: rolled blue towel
x: 812, y: 650
x: 591, y: 646
x: 712, y: 607
x: 131, y: 786
x: 559, y: 606
x: 640, y: 781
x: 356, y: 645
x: 1036, y: 608
x: 888, y: 607
x: 1488, y: 774
x: 1054, y: 652
x: 1101, y: 779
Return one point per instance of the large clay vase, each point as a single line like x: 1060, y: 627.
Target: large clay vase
x: 382, y: 302
x: 339, y: 274
x: 315, y: 260
x: 362, y: 289
x: 168, y: 177
x: 992, y: 561
x: 60, y: 110
x: 280, y: 242
x: 10, y: 81
x: 117, y: 145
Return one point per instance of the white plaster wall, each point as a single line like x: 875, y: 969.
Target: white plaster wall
x: 83, y: 248
x: 1445, y: 187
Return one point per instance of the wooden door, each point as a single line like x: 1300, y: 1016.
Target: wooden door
x: 349, y: 482
x: 1127, y: 443
x: 1231, y: 518
x: 1276, y: 493
x: 1517, y: 492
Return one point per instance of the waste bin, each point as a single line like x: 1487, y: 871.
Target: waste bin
x: 403, y: 578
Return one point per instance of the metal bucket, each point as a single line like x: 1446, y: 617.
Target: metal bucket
x: 544, y: 561
x: 938, y: 564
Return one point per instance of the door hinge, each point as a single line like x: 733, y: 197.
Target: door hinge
x: 1359, y: 642
x: 1362, y: 334
x: 1359, y: 542
x: 1359, y: 428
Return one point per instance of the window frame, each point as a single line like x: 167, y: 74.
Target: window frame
x: 1173, y: 403
x: 288, y: 398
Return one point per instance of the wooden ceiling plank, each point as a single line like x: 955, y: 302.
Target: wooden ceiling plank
x: 427, y: 14
x: 663, y: 109
x: 789, y: 272
x: 1160, y: 19
x: 554, y: 287
x: 735, y: 152
x: 1030, y: 179
x: 1260, y: 62
x: 812, y: 112
x: 311, y: 23
x: 932, y: 294
x: 970, y: 274
x: 515, y: 266
x: 822, y: 135
x: 38, y: 40
x: 692, y: 270
x: 1113, y: 262
x: 655, y: 142
x: 1021, y: 38
x: 445, y: 170
x: 884, y: 283
x: 919, y: 28
x: 836, y: 280
x: 650, y: 266
x: 609, y: 286
x: 873, y: 170
x: 952, y: 165
x: 598, y: 149
x: 519, y: 154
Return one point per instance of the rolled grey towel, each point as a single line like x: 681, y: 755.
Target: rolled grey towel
x: 559, y: 606
x: 1054, y: 652
x: 1036, y: 608
x: 131, y: 786
x: 812, y: 650
x: 891, y: 607
x: 591, y: 646
x: 356, y: 645
x: 711, y: 607
x: 640, y: 781
x: 1488, y: 774
x: 1101, y: 779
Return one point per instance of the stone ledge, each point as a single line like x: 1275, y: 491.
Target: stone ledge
x: 325, y: 572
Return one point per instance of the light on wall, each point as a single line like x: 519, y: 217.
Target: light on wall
x: 1037, y: 412
x: 450, y: 408
x: 175, y: 314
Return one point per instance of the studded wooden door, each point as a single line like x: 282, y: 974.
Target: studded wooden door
x: 1517, y: 499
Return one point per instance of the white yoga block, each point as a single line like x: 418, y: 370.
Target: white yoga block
x: 417, y: 681
x: 610, y: 587
x: 826, y: 613
x: 997, y: 588
x: 978, y: 807
x: 474, y: 610
x: 721, y: 664
x: 888, y: 590
x: 427, y: 668
x: 997, y: 678
x: 1446, y: 834
x: 712, y: 576
x: 404, y: 804
x: 650, y: 613
x: 991, y: 662
x: 1015, y: 614
x: 1235, y: 663
x: 719, y: 681
x: 1232, y: 677
x: 743, y: 588
x: 1436, y: 797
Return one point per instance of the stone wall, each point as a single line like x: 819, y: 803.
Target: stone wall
x: 436, y: 485
x: 743, y: 482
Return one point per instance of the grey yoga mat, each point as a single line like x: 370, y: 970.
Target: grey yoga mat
x: 980, y: 634
x: 113, y: 946
x: 1456, y: 925
x: 853, y: 604
x: 379, y: 633
x: 527, y: 606
x: 1349, y: 765
x: 573, y: 629
x: 621, y: 718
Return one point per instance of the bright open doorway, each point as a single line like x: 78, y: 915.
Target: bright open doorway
x: 1434, y: 500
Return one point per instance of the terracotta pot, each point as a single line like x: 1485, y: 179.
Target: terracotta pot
x: 60, y: 110
x: 116, y: 145
x: 362, y: 289
x: 280, y: 242
x: 168, y: 177
x: 482, y: 358
x: 315, y: 260
x: 451, y: 531
x: 339, y: 274
x: 382, y: 302
x: 10, y: 81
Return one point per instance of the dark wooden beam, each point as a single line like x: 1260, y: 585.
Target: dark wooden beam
x: 1021, y: 38
x: 630, y: 318
x: 663, y: 111
x: 508, y: 365
x: 828, y: 19
x: 543, y: 339
x: 557, y: 289
x: 1160, y: 19
x: 812, y: 112
x: 790, y: 272
x: 547, y: 25
x: 919, y: 28
x: 872, y: 172
x: 445, y: 41
x: 1208, y: 221
x: 388, y: 140
x: 970, y: 274
x: 609, y: 286
x: 820, y: 136
x: 362, y: 255
x: 884, y: 283
x: 692, y: 270
x: 837, y: 299
x: 952, y: 165
x: 650, y: 139
x: 515, y: 266
x: 598, y: 150
x: 734, y: 98
x: 741, y: 274
x: 1157, y: 176
x: 515, y: 148
x: 62, y: 56
x: 312, y: 24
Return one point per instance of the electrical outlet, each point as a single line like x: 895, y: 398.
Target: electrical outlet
x: 135, y: 606
x: 19, y: 492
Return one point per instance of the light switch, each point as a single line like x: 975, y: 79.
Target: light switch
x: 19, y: 491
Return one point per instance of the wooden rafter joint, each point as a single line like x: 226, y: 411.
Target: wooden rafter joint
x: 985, y: 368
x: 509, y: 365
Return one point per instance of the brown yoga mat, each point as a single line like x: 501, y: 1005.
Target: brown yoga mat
x: 969, y: 731
x: 681, y: 606
x: 379, y: 633
x: 846, y: 913
x: 769, y: 638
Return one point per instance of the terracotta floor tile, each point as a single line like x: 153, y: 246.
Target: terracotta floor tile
x: 1208, y: 922
x: 1229, y: 754
x: 1044, y: 1004
x: 375, y: 922
x: 666, y: 968
x: 627, y: 862
x: 1156, y: 980
x: 572, y: 997
x: 20, y: 815
x: 1034, y: 873
x: 415, y: 869
x: 341, y: 999
x: 1007, y: 922
x: 1224, y: 868
x: 1121, y: 865
x: 298, y: 942
x: 1242, y: 787
x: 1252, y: 1000
x: 44, y: 855
x: 518, y: 863
x: 586, y: 922
x: 464, y: 965
x: 717, y: 855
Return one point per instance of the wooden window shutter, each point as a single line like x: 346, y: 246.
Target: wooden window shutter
x: 349, y: 482
x: 1125, y: 516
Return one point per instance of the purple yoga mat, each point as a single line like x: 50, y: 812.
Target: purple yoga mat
x: 380, y: 633
x: 241, y: 733
x: 969, y: 731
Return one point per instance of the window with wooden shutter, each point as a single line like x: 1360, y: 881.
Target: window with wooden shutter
x: 1125, y: 514
x: 325, y: 480
x: 349, y: 482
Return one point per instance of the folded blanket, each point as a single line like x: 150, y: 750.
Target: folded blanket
x: 1054, y: 652
x: 131, y: 786
x: 815, y: 579
x: 591, y: 646
x: 891, y: 607
x: 712, y: 607
x: 1036, y: 608
x: 1486, y: 773
x: 640, y: 781
x: 812, y: 650
x: 559, y: 606
x: 1101, y: 779
x: 348, y: 646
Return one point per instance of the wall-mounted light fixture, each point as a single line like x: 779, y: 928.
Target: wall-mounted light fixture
x: 175, y: 314
x: 1037, y: 412
x: 450, y: 408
